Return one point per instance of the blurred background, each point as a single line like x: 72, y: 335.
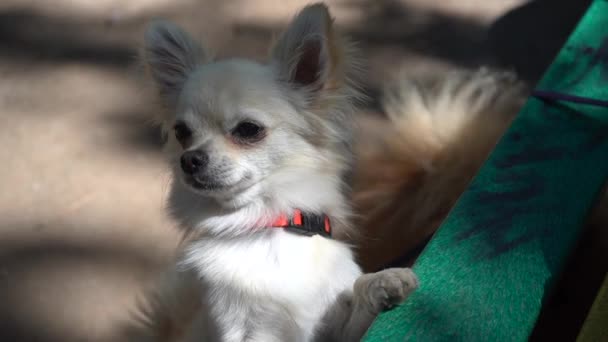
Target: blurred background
x: 83, y: 182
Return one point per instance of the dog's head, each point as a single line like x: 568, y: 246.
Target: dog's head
x: 241, y: 132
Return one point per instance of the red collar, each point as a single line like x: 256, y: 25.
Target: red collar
x: 304, y: 224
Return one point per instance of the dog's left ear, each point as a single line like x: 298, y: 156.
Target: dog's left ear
x: 305, y: 53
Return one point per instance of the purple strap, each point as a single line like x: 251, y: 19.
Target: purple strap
x: 555, y: 96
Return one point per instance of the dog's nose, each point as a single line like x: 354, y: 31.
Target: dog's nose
x: 193, y: 161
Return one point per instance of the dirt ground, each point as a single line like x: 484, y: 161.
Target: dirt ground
x: 83, y: 183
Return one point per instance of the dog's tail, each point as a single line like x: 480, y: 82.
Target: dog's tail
x: 415, y: 163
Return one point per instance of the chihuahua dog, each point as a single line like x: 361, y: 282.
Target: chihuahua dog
x: 261, y: 156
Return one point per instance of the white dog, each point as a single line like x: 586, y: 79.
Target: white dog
x: 261, y: 157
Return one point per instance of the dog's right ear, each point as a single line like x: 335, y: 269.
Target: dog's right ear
x: 170, y: 54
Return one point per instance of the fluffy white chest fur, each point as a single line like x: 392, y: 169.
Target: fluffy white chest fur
x: 278, y: 279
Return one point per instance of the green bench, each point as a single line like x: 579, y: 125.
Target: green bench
x: 488, y: 270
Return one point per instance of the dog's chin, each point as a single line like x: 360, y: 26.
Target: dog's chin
x: 203, y: 186
x: 206, y: 188
x: 233, y: 196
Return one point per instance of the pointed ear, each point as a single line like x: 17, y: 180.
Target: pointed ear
x: 170, y: 54
x: 304, y: 52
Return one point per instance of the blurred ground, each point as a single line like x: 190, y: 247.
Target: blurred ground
x: 81, y: 223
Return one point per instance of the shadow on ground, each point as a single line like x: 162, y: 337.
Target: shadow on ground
x: 27, y: 35
x: 44, y: 284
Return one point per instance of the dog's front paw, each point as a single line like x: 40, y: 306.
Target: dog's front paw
x: 385, y: 289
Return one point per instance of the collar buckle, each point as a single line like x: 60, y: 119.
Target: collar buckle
x: 309, y: 224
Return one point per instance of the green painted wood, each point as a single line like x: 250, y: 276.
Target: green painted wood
x: 487, y: 271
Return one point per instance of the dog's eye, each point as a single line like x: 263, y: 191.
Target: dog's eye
x: 182, y: 133
x: 248, y: 131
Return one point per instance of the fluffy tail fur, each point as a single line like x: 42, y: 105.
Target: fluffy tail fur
x: 414, y: 163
